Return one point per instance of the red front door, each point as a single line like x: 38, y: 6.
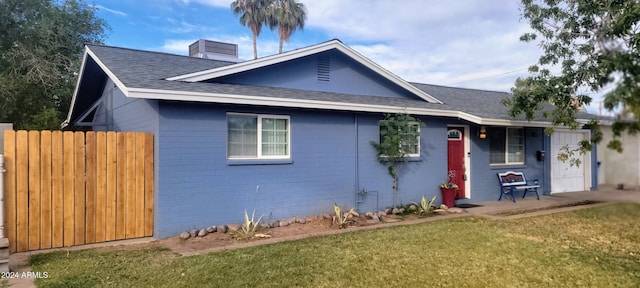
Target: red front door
x: 456, y: 159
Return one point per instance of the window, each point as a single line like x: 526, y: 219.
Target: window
x: 506, y: 145
x: 252, y: 136
x: 410, y: 145
x: 454, y: 135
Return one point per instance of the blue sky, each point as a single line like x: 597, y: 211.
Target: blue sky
x: 461, y: 43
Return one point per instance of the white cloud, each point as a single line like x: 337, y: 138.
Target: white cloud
x: 467, y: 42
x: 214, y: 3
x: 176, y: 46
x: 181, y: 26
x: 120, y: 13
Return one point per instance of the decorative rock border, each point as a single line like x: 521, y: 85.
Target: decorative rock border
x: 370, y: 217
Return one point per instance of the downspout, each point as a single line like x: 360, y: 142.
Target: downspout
x: 544, y: 159
x: 356, y: 171
x: 546, y: 143
x: 109, y: 109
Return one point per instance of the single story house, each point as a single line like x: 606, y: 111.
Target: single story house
x: 289, y: 134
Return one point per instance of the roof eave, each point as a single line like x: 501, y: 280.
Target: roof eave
x: 90, y: 54
x: 155, y: 94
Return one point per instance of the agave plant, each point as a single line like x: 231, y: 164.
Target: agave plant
x: 425, y: 207
x: 249, y: 227
x: 342, y: 220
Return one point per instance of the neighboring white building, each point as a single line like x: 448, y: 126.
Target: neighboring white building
x: 4, y: 126
x: 619, y: 168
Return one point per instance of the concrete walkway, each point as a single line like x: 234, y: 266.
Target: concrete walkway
x: 604, y: 194
x: 19, y: 262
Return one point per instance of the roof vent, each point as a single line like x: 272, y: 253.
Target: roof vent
x: 215, y: 50
x: 324, y: 68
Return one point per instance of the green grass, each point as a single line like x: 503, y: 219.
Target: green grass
x: 597, y: 247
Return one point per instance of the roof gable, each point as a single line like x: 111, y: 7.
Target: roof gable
x: 328, y: 71
x: 333, y: 47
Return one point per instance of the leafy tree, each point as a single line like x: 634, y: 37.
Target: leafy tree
x: 398, y: 135
x: 41, y: 44
x: 588, y: 46
x: 253, y: 14
x: 287, y: 16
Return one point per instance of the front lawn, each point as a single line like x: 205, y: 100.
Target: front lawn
x: 597, y: 247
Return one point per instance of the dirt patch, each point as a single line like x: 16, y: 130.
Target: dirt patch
x: 218, y: 241
x: 222, y: 241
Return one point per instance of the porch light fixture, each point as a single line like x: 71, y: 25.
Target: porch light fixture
x: 483, y: 132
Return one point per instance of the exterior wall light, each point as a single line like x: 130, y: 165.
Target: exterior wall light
x: 483, y: 132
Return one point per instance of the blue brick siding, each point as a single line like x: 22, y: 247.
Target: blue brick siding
x: 418, y: 177
x: 197, y: 187
x: 346, y: 76
x: 484, y: 179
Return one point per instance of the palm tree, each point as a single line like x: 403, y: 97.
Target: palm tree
x: 287, y: 16
x: 254, y: 15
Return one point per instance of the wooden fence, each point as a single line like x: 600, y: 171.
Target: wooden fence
x: 72, y: 188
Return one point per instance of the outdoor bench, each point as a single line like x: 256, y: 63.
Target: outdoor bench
x: 515, y: 181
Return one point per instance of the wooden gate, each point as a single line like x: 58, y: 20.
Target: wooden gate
x: 73, y: 188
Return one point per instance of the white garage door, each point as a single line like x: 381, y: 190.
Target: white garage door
x: 564, y: 177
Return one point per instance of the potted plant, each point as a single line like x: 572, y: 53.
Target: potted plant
x: 449, y: 190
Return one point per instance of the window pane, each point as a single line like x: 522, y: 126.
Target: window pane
x: 411, y: 144
x: 454, y: 135
x: 408, y: 143
x: 274, y: 137
x: 497, y: 144
x: 242, y: 136
x: 515, y: 145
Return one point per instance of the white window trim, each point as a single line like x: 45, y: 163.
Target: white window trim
x: 259, y: 137
x: 506, y: 148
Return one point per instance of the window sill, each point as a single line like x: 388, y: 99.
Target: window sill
x: 507, y: 166
x: 408, y: 159
x: 237, y: 162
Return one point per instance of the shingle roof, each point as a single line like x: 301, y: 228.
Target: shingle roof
x: 148, y: 70
x: 481, y: 103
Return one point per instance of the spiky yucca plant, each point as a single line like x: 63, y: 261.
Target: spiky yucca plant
x: 249, y: 228
x: 425, y: 207
x: 342, y: 220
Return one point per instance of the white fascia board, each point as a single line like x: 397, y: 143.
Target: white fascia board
x: 280, y: 102
x: 514, y: 123
x: 107, y: 71
x: 299, y: 53
x: 75, y: 91
x: 502, y: 122
x: 316, y: 104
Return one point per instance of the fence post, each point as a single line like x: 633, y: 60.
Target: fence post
x: 4, y: 242
x: 2, y: 196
